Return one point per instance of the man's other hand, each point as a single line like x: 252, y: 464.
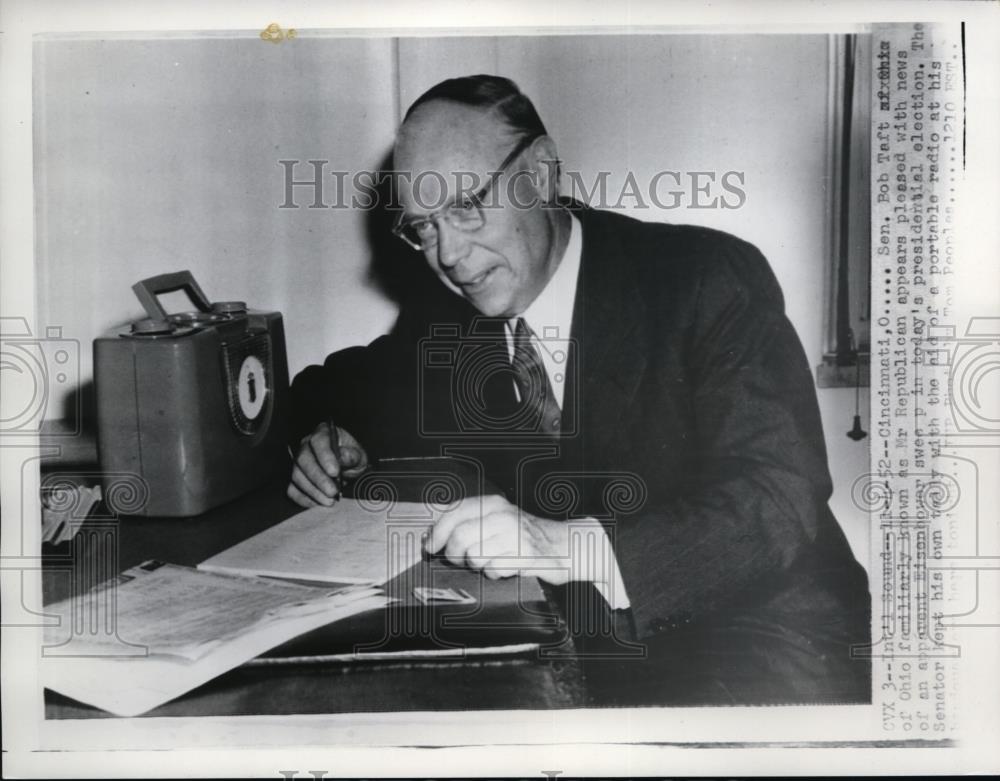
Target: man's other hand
x: 325, y: 458
x: 489, y: 534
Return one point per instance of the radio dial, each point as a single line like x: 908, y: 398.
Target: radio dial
x: 251, y: 387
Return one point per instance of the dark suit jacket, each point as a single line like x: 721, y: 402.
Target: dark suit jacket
x: 692, y: 428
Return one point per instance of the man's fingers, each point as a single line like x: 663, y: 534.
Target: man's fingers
x: 311, y: 476
x: 353, y: 460
x: 498, y: 568
x: 336, y: 452
x: 306, y: 485
x: 298, y: 497
x: 441, y: 531
x: 317, y: 463
x: 473, y: 507
x: 464, y: 543
x: 483, y: 533
x: 320, y: 444
x: 475, y: 542
x: 352, y: 457
x: 503, y: 548
x: 494, y: 555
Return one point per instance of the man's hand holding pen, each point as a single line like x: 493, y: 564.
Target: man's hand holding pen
x: 326, y: 457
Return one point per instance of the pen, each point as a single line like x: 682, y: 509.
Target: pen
x: 336, y: 451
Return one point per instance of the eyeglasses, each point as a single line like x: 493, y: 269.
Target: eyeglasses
x: 421, y: 233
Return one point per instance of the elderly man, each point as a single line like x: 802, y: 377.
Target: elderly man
x: 633, y: 389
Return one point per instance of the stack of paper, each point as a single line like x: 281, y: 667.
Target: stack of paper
x: 159, y: 630
x: 346, y: 543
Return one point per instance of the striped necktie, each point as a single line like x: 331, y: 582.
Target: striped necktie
x: 539, y: 410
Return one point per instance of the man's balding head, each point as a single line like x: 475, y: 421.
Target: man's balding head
x: 453, y: 138
x: 490, y: 93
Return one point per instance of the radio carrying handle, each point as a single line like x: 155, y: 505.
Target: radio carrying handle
x: 147, y: 291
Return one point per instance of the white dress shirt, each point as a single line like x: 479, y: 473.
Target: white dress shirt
x: 550, y: 317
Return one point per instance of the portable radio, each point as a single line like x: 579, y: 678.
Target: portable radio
x: 192, y: 403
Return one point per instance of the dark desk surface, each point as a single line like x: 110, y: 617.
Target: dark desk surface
x: 107, y: 545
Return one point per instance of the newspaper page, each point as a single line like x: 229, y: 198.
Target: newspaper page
x: 175, y: 628
x: 168, y: 610
x: 776, y: 399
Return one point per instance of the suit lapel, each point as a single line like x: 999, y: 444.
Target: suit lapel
x: 607, y: 319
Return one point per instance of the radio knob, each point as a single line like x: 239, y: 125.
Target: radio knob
x: 229, y: 307
x: 151, y: 327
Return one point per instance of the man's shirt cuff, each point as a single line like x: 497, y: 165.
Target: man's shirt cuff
x: 592, y: 558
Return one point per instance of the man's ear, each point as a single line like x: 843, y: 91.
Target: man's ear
x: 547, y: 163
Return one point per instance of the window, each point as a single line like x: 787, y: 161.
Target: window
x: 847, y: 322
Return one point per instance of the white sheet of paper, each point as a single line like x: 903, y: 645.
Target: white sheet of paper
x: 175, y: 628
x: 131, y: 686
x: 158, y: 608
x: 346, y: 543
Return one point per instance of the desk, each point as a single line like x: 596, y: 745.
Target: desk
x: 107, y: 545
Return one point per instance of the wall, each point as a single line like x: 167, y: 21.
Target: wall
x: 162, y: 155
x: 158, y: 155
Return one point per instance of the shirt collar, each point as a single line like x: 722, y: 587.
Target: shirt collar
x: 550, y: 315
